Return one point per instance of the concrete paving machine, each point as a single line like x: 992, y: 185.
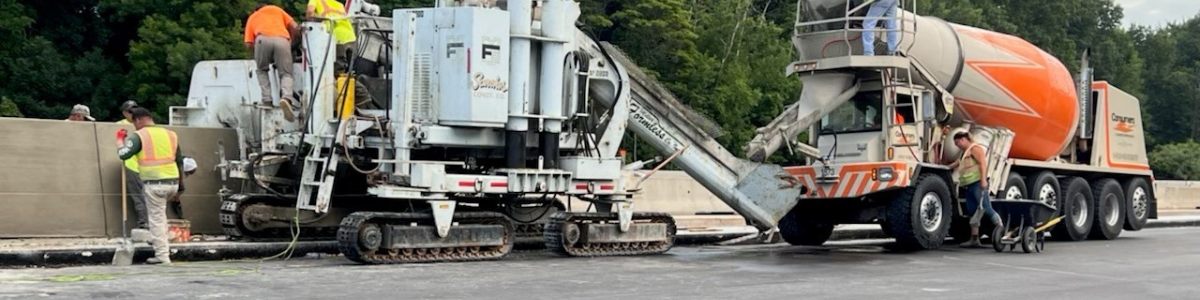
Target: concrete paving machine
x: 453, y: 131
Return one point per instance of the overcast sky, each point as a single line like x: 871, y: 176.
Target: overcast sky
x: 1156, y: 13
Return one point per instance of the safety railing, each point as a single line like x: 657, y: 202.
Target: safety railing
x: 806, y: 28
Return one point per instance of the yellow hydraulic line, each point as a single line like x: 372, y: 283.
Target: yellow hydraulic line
x: 1048, y: 224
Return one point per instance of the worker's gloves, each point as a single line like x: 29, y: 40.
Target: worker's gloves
x: 121, y: 134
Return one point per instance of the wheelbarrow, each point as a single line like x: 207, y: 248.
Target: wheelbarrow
x: 1025, y: 224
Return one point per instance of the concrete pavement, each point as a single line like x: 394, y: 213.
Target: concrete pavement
x: 75, y: 252
x: 1151, y: 264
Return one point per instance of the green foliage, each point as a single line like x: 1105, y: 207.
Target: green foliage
x: 1176, y: 161
x: 8, y: 108
x: 724, y: 58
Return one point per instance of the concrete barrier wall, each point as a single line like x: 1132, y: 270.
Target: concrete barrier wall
x: 1177, y: 195
x: 63, y: 179
x: 679, y: 194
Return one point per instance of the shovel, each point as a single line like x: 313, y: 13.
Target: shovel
x: 124, y: 254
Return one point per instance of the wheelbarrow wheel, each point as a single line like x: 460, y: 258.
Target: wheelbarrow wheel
x: 1029, y: 239
x: 998, y: 239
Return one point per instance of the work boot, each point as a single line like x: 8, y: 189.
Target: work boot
x: 973, y: 243
x: 158, y: 261
x: 288, y: 113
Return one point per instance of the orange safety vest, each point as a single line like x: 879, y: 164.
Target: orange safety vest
x: 156, y: 161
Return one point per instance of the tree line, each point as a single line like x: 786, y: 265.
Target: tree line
x: 724, y: 58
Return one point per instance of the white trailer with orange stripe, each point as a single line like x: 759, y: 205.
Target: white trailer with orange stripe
x: 1071, y: 142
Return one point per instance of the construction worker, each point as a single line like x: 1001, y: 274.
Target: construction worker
x: 157, y: 152
x: 81, y: 113
x: 881, y: 8
x: 132, y: 184
x: 268, y: 35
x: 335, y: 14
x: 343, y: 34
x: 189, y: 168
x: 973, y: 176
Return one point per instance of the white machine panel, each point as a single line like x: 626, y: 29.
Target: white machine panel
x: 472, y: 66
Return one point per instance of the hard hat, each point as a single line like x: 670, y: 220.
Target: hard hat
x: 84, y: 110
x: 128, y: 105
x: 189, y: 164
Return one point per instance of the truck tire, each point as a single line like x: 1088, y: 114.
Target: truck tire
x: 1015, y: 189
x: 1109, y: 205
x: 1138, y: 196
x: 1043, y: 186
x: 801, y: 231
x: 919, y: 216
x: 1076, y: 207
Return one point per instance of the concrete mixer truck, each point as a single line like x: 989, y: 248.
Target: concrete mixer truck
x: 881, y: 125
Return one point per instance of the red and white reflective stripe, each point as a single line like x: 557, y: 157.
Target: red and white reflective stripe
x: 852, y: 184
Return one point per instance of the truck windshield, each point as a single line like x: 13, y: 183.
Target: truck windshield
x: 861, y: 113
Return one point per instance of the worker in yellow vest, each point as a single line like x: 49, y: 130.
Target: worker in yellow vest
x: 344, y: 35
x: 158, y: 161
x: 335, y: 14
x: 132, y: 183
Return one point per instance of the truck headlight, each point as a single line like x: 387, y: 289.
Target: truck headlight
x: 885, y: 174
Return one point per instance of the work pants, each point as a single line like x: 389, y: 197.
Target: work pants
x: 157, y: 193
x: 275, y: 50
x: 886, y: 9
x: 362, y: 97
x: 979, y: 205
x: 133, y: 188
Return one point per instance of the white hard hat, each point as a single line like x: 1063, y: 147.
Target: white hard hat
x: 189, y: 164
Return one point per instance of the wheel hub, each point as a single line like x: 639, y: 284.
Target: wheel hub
x: 1013, y: 193
x: 1047, y: 195
x: 571, y: 233
x: 1141, y: 203
x: 1079, y: 212
x: 370, y: 237
x: 1114, y: 211
x: 931, y: 212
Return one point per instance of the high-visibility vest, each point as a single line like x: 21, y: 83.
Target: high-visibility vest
x: 969, y: 167
x: 156, y: 161
x: 130, y: 163
x: 343, y: 31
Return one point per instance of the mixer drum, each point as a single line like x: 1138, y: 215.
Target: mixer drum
x: 1000, y: 80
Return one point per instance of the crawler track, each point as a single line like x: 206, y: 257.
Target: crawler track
x: 556, y: 243
x: 350, y: 233
x: 233, y: 222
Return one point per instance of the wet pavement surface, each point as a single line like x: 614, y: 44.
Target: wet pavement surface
x: 1151, y: 264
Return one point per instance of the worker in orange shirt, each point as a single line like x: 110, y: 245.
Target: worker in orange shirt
x: 269, y: 32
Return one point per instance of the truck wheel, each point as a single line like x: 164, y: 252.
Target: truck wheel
x: 920, y: 215
x: 1016, y: 187
x: 1044, y: 187
x: 1137, y: 203
x: 1076, y: 209
x: 802, y: 231
x: 1109, y: 204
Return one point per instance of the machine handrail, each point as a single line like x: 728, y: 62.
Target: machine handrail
x: 846, y: 19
